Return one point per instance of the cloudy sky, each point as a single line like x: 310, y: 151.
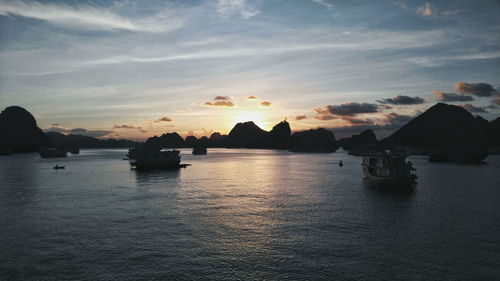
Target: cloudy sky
x: 139, y: 68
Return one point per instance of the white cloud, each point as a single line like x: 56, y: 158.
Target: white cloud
x: 88, y: 17
x: 427, y: 10
x: 236, y: 7
x: 324, y: 3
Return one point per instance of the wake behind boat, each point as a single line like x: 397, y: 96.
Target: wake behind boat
x: 388, y: 168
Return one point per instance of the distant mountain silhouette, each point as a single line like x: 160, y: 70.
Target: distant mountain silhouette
x: 247, y: 135
x: 216, y: 140
x: 365, y: 138
x: 60, y: 140
x: 168, y: 140
x: 442, y: 125
x: 495, y: 132
x: 280, y: 136
x: 318, y: 140
x: 19, y: 131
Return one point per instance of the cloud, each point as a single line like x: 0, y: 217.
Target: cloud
x: 346, y: 109
x: 401, y: 5
x: 300, y: 117
x: 223, y: 101
x: 477, y: 89
x: 251, y: 98
x: 220, y: 103
x: 164, y: 119
x: 265, y: 103
x: 357, y: 121
x: 56, y: 125
x: 472, y: 108
x: 451, y: 97
x: 88, y: 17
x: 402, y: 100
x: 124, y: 126
x: 89, y: 133
x: 236, y: 7
x: 427, y: 10
x: 324, y: 3
x: 395, y: 119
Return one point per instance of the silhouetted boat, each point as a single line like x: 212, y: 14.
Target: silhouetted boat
x: 144, y: 158
x: 465, y: 155
x: 388, y: 168
x: 199, y: 150
x: 52, y: 153
x: 59, y: 167
x: 341, y: 164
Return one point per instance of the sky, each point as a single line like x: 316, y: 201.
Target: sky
x: 134, y: 69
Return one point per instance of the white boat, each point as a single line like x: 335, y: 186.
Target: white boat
x: 388, y: 168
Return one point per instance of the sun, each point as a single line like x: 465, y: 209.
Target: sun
x: 258, y: 117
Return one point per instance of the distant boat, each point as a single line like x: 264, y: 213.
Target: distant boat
x: 341, y: 164
x: 388, y: 168
x: 199, y: 150
x: 464, y: 155
x: 59, y: 167
x: 143, y: 158
x: 52, y: 153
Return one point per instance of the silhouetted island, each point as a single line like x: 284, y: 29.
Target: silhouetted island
x: 71, y: 140
x: 19, y: 131
x: 318, y: 140
x: 442, y: 125
x: 360, y: 144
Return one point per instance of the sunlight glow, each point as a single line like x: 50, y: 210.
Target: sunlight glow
x: 260, y: 118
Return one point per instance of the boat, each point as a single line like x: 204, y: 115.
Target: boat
x: 341, y: 164
x: 199, y: 150
x: 388, y: 168
x: 5, y: 152
x: 56, y: 167
x: 146, y: 158
x: 52, y: 153
x: 463, y: 155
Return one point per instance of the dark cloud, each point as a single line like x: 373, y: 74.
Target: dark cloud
x: 252, y: 97
x: 393, y: 121
x: 451, y: 97
x: 124, y: 126
x: 300, y: 117
x: 90, y: 133
x: 164, y: 119
x: 357, y: 121
x: 55, y: 125
x: 345, y: 109
x: 477, y: 89
x: 472, y: 108
x: 402, y: 100
x: 265, y: 103
x: 222, y: 98
x: 220, y: 103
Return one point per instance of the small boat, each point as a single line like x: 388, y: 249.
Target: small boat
x: 56, y: 167
x: 5, y: 152
x: 341, y: 164
x: 52, y: 153
x: 147, y: 158
x: 199, y: 150
x: 388, y: 168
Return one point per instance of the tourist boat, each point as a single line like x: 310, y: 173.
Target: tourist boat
x: 52, y: 153
x: 388, y: 168
x: 199, y: 150
x: 56, y: 167
x: 464, y: 155
x: 144, y: 158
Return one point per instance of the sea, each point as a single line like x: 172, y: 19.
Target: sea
x: 241, y: 214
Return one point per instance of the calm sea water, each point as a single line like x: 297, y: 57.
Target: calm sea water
x: 245, y: 215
